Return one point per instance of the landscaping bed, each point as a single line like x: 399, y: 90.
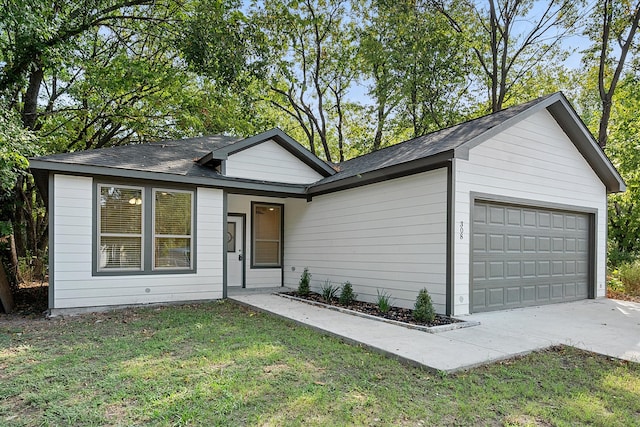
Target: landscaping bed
x: 394, y: 315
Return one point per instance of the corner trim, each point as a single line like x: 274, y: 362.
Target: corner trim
x: 450, y: 265
x: 52, y: 216
x: 224, y: 245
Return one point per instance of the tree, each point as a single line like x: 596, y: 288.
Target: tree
x: 510, y: 39
x: 416, y: 65
x: 311, y: 52
x: 15, y: 145
x: 613, y: 28
x: 624, y: 139
x: 97, y: 73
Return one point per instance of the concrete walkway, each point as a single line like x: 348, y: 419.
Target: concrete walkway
x: 604, y: 326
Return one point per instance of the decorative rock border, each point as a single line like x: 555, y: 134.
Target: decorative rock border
x: 459, y: 324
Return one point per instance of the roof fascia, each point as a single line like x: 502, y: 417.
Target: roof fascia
x: 209, y: 157
x: 286, y: 142
x: 424, y: 164
x: 288, y: 190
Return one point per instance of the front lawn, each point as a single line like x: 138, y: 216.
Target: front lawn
x: 222, y: 364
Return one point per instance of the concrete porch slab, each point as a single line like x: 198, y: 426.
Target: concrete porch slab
x: 604, y: 326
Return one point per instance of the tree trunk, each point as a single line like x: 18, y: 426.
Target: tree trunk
x: 6, y: 298
x: 15, y: 270
x: 30, y: 110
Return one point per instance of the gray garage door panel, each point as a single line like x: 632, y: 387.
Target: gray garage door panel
x: 524, y: 256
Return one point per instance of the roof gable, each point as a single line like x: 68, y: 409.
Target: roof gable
x: 456, y: 141
x: 279, y: 137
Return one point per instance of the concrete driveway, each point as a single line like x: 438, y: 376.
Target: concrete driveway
x: 604, y: 326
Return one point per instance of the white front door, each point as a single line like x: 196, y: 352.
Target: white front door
x: 235, y: 250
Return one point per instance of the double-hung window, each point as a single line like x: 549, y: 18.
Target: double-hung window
x: 172, y: 224
x: 142, y: 230
x: 120, y: 228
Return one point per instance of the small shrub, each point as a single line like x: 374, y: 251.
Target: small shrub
x: 630, y: 278
x: 423, y: 310
x: 614, y: 283
x: 329, y: 291
x: 384, y: 301
x: 347, y: 296
x: 303, y: 286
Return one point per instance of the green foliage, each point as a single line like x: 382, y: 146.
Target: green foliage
x: 384, y: 301
x: 347, y: 296
x: 328, y: 291
x: 125, y: 368
x: 629, y: 275
x: 614, y: 283
x: 616, y: 257
x: 423, y: 309
x: 305, y: 280
x: 16, y: 144
x: 622, y: 148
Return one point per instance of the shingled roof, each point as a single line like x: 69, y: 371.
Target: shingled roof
x: 173, y: 157
x: 193, y: 160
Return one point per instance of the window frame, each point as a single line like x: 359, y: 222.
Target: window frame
x: 154, y: 236
x: 280, y: 263
x: 148, y: 239
x: 99, y: 234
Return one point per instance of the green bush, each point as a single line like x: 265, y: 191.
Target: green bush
x: 347, y: 296
x: 384, y: 301
x: 328, y: 291
x: 630, y: 277
x: 423, y: 310
x: 614, y: 283
x: 303, y: 286
x: 616, y: 257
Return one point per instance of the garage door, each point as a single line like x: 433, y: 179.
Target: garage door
x: 523, y: 256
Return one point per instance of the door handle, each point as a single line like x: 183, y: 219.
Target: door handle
x: 240, y: 257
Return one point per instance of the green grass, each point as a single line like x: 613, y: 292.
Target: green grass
x: 221, y: 364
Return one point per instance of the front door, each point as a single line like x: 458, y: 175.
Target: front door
x: 235, y: 250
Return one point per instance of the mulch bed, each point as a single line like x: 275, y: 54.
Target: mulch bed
x: 398, y: 314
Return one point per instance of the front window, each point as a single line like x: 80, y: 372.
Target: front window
x: 267, y: 235
x: 120, y: 228
x: 172, y: 229
x: 143, y: 230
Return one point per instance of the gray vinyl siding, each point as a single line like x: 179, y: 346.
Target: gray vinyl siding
x: 387, y: 236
